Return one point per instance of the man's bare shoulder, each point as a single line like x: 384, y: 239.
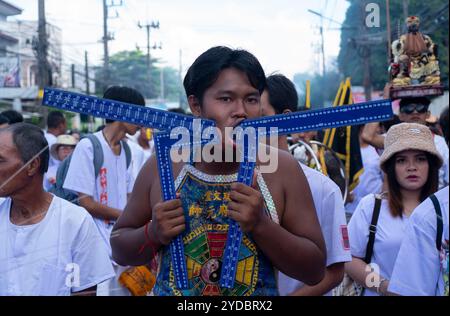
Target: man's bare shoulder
x: 285, y: 165
x: 150, y: 167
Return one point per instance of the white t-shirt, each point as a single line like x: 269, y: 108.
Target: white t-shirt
x: 51, y: 174
x: 442, y: 148
x: 331, y: 214
x: 388, y: 237
x: 371, y: 180
x: 40, y: 259
x: 51, y: 139
x: 137, y: 158
x: 418, y: 269
x: 112, y: 185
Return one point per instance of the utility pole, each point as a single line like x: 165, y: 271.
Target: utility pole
x: 72, y: 72
x: 105, y: 46
x: 365, y: 52
x: 405, y: 9
x: 106, y: 38
x: 180, y: 71
x: 161, y: 78
x: 42, y: 47
x: 86, y: 73
x: 367, y: 81
x: 388, y: 30
x: 149, y: 26
x: 322, y: 48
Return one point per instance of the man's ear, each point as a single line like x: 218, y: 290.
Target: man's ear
x: 428, y: 115
x: 194, y: 105
x: 34, y: 166
x: 287, y: 111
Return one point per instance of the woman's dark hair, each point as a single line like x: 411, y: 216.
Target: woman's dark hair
x: 443, y: 121
x: 395, y: 196
x: 207, y: 67
x: 30, y: 141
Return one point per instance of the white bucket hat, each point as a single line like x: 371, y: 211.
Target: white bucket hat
x: 66, y: 140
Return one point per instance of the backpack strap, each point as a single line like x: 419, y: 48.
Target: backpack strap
x: 98, y: 153
x: 61, y: 173
x: 373, y: 229
x: 440, y: 225
x: 127, y: 149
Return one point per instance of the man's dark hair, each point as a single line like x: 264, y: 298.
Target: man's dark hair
x: 282, y: 93
x: 389, y: 123
x: 13, y: 116
x: 55, y: 118
x: 207, y: 67
x: 30, y: 141
x: 415, y: 100
x: 3, y: 119
x: 123, y: 94
x: 443, y: 122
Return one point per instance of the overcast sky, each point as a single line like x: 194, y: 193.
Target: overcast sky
x: 282, y: 34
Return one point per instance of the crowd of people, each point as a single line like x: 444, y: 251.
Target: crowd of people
x: 83, y: 214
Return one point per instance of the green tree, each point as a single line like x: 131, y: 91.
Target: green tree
x: 129, y: 68
x: 358, y: 40
x: 323, y: 89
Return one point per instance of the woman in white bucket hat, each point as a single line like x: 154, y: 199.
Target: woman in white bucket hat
x: 63, y: 147
x: 411, y: 163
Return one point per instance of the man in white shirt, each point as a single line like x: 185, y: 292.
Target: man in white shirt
x: 420, y: 267
x: 280, y: 97
x: 56, y: 125
x: 371, y: 180
x: 105, y: 197
x: 137, y: 158
x: 49, y: 246
x: 413, y: 110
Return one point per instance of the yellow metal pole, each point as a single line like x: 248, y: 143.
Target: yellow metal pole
x: 308, y: 94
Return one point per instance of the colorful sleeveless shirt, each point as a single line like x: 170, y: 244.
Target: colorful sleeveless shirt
x: 205, y: 198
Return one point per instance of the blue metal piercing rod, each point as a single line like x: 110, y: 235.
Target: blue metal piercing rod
x: 355, y: 114
x: 118, y: 111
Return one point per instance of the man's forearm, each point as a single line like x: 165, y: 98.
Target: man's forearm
x: 333, y: 276
x: 98, y: 210
x: 132, y: 246
x: 295, y: 256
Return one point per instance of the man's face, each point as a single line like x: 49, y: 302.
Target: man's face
x: 229, y: 101
x: 414, y: 113
x: 266, y: 108
x: 62, y: 128
x: 10, y: 162
x: 131, y: 129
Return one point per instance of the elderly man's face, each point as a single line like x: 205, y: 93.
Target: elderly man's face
x: 10, y: 163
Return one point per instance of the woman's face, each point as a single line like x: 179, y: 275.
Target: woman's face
x: 411, y: 169
x: 64, y: 151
